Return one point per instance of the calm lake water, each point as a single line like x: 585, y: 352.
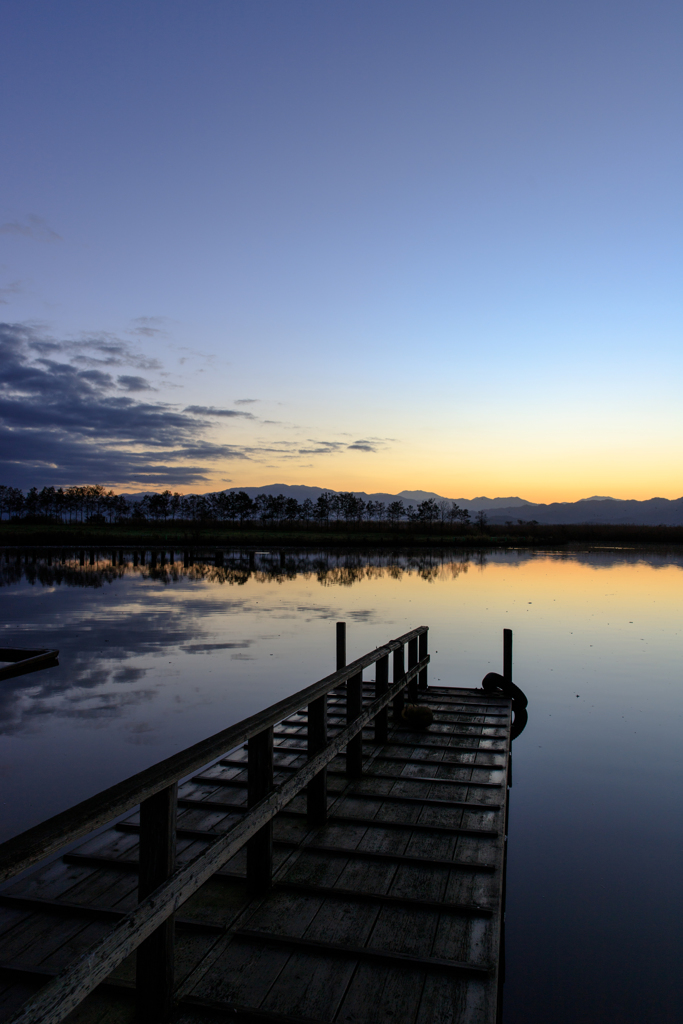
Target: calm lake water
x: 153, y: 659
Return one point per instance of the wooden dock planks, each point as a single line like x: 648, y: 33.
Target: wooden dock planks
x: 389, y: 912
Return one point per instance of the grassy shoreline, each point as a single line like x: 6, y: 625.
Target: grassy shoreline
x: 337, y: 535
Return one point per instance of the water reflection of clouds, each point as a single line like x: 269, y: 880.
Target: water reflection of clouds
x: 93, y: 683
x: 71, y: 691
x: 206, y: 648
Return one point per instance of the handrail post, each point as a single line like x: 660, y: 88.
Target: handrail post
x: 316, y: 795
x: 399, y: 672
x: 507, y: 655
x: 354, y: 707
x: 412, y: 662
x: 422, y: 654
x: 381, y: 687
x: 341, y: 645
x: 154, y: 961
x: 259, y: 784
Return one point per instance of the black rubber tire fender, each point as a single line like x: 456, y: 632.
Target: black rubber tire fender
x: 493, y: 681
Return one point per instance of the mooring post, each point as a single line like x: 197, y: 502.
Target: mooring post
x: 381, y: 687
x: 507, y: 655
x: 316, y: 794
x: 399, y: 672
x: 259, y: 784
x: 341, y: 645
x: 154, y: 967
x: 412, y: 662
x: 423, y: 651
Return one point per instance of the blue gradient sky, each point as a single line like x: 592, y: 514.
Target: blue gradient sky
x: 439, y: 243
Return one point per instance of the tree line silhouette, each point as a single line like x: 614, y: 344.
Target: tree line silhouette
x: 93, y: 503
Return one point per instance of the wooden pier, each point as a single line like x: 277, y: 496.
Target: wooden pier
x: 317, y: 862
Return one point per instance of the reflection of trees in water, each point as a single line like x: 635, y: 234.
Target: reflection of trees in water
x: 234, y: 568
x: 334, y: 568
x: 70, y: 575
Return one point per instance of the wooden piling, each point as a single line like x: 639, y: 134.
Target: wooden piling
x: 341, y: 645
x: 507, y: 655
x: 412, y: 662
x: 399, y: 672
x: 154, y: 967
x: 423, y: 651
x: 381, y: 687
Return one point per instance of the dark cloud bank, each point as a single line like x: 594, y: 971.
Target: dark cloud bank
x: 72, y: 412
x: 68, y: 415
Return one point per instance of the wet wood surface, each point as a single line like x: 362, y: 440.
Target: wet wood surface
x: 388, y: 911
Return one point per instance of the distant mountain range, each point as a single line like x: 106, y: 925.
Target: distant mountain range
x: 301, y: 492
x: 653, y: 512
x: 596, y: 509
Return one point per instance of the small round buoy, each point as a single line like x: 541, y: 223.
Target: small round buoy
x: 417, y: 716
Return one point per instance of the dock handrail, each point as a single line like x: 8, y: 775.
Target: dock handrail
x: 163, y: 888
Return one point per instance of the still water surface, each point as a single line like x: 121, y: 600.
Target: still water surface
x: 154, y: 659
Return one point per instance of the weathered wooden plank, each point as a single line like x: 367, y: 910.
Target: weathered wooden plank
x: 393, y: 993
x: 363, y: 952
x: 243, y: 973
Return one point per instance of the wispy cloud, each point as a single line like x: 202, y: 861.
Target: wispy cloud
x: 129, y: 383
x: 98, y: 349
x: 34, y: 227
x: 63, y: 419
x: 211, y: 410
x: 75, y: 411
x: 148, y: 326
x: 13, y: 288
x: 245, y: 401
